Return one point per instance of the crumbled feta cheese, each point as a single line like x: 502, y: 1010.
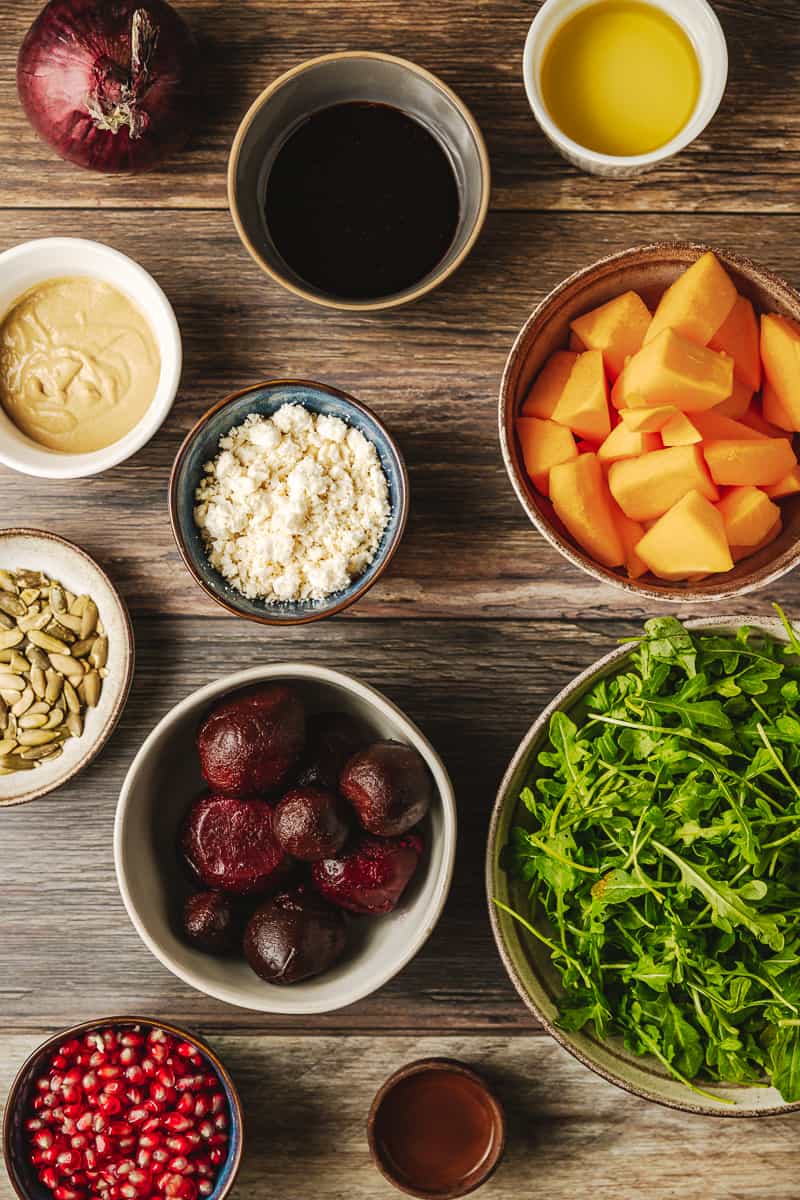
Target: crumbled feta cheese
x: 294, y: 505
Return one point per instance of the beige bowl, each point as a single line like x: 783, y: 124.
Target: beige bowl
x: 648, y: 270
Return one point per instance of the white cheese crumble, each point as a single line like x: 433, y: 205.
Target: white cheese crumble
x: 294, y: 505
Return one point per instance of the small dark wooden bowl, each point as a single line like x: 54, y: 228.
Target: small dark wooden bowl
x: 480, y: 1176
x: 648, y: 270
x: 24, y: 1178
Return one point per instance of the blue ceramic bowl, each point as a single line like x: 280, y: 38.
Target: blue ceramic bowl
x: 202, y: 444
x: 24, y: 1177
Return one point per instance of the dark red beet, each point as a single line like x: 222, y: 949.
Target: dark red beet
x: 389, y: 786
x: 310, y: 823
x: 372, y: 876
x: 294, y: 936
x: 230, y: 846
x: 210, y: 923
x: 332, y: 739
x: 249, y: 741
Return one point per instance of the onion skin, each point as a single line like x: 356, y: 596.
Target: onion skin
x: 111, y: 85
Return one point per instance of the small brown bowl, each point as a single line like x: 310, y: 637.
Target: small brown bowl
x: 23, y: 1176
x: 648, y: 270
x: 469, y: 1182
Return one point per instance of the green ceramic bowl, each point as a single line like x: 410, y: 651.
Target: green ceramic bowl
x: 528, y: 962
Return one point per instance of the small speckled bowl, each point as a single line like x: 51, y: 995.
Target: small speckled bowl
x: 37, y: 550
x: 23, y: 1176
x: 202, y: 444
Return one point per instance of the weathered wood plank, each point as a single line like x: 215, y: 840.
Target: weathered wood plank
x: 746, y: 162
x: 431, y: 371
x: 68, y: 948
x: 570, y: 1133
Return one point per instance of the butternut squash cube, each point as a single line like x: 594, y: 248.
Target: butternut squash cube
x: 780, y: 353
x: 740, y: 552
x: 647, y: 420
x: 697, y: 304
x: 714, y: 427
x: 646, y: 487
x: 680, y: 431
x: 583, y: 503
x: 754, y: 419
x: 546, y: 392
x: 739, y: 337
x: 789, y: 486
x: 543, y: 444
x: 687, y: 541
x: 576, y: 344
x: 583, y: 405
x: 738, y: 402
x: 623, y: 442
x: 631, y: 533
x: 617, y: 329
x: 761, y: 462
x: 672, y: 370
x: 775, y: 411
x: 748, y: 515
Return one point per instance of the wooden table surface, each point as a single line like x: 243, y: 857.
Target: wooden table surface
x: 475, y: 626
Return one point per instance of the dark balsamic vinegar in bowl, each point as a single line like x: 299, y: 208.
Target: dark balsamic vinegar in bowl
x: 362, y: 201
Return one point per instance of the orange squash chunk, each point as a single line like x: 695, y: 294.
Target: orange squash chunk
x: 754, y: 420
x: 680, y: 431
x: 546, y: 392
x: 583, y: 406
x: 713, y: 427
x: 616, y: 329
x: 647, y: 420
x: 780, y: 353
x: 761, y: 462
x: 748, y: 515
x: 646, y: 487
x: 623, y: 442
x: 738, y: 402
x: 576, y: 344
x: 583, y: 503
x: 739, y: 337
x: 543, y: 445
x: 774, y: 409
x: 789, y: 486
x: 631, y: 533
x: 689, y: 540
x: 672, y: 370
x: 697, y: 304
x: 740, y: 552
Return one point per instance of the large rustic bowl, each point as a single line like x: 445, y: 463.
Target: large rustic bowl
x: 165, y: 777
x: 528, y: 962
x: 648, y: 270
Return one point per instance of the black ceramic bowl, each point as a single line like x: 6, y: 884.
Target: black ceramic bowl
x: 24, y: 1177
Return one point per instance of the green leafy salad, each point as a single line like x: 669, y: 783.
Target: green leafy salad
x: 663, y: 848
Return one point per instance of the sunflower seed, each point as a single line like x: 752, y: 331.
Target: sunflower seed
x: 6, y: 622
x: 91, y: 689
x: 71, y: 622
x: 74, y: 723
x: 30, y: 578
x: 71, y: 697
x: 32, y: 721
x: 57, y: 630
x: 81, y: 649
x: 58, y: 601
x: 55, y: 718
x: 77, y: 606
x: 37, y: 657
x: 45, y: 642
x: 99, y: 654
x: 55, y: 752
x: 41, y: 706
x: 36, y: 737
x: 38, y: 682
x: 12, y: 605
x: 3, y: 713
x: 7, y: 746
x: 10, y: 637
x: 29, y: 596
x: 14, y: 762
x: 66, y: 664
x: 88, y: 618
x: 12, y: 683
x: 7, y: 582
x: 23, y: 704
x: 54, y: 684
x: 35, y: 620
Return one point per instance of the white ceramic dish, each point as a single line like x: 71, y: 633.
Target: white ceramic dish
x: 21, y: 268
x: 163, y: 779
x: 36, y: 550
x: 701, y: 25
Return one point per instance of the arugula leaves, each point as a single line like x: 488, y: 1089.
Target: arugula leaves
x: 660, y: 848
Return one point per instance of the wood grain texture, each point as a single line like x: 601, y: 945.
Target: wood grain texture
x: 747, y: 161
x: 432, y: 371
x: 570, y: 1133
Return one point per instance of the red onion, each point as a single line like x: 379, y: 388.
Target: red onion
x: 110, y: 84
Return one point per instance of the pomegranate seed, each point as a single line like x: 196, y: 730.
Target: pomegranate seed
x: 68, y: 1126
x: 177, y: 1122
x: 56, y: 1082
x: 125, y: 1167
x: 144, y: 1158
x: 189, y: 1083
x: 132, y: 1038
x: 201, y: 1106
x: 70, y: 1159
x: 217, y: 1156
x: 152, y: 1107
x: 120, y: 1129
x: 67, y: 1193
x: 185, y: 1104
x: 159, y: 1053
x: 206, y: 1129
x: 98, y: 1059
x: 134, y: 1096
x: 151, y: 1124
x: 110, y: 1039
x: 205, y: 1187
x: 114, y: 1087
x: 72, y: 1094
x: 70, y: 1049
x: 79, y: 1141
x: 221, y: 1120
x: 217, y: 1102
x: 160, y: 1155
x: 185, y: 1049
x: 33, y: 1123
x: 73, y: 1111
x: 43, y: 1139
x: 161, y: 1094
x: 98, y: 1122
x: 110, y: 1106
x: 203, y: 1165
x: 179, y: 1144
x: 90, y: 1082
x: 179, y: 1164
x: 59, y: 1062
x: 126, y: 1143
x: 89, y: 1159
x: 109, y: 1071
x: 102, y: 1144
x: 136, y: 1116
x: 49, y: 1178
x: 135, y: 1074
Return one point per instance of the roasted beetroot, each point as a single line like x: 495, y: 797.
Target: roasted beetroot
x: 372, y: 876
x: 332, y: 739
x: 250, y: 741
x: 389, y: 786
x: 310, y: 823
x: 294, y: 936
x: 230, y: 846
x: 211, y: 923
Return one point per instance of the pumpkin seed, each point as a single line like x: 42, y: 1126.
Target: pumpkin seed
x: 7, y: 582
x: 58, y: 601
x: 71, y: 622
x: 66, y: 665
x: 74, y: 723
x: 81, y: 649
x: 91, y: 689
x: 45, y: 642
x: 33, y: 754
x: 55, y: 718
x: 88, y: 618
x: 23, y: 704
x: 12, y: 605
x: 99, y: 654
x: 36, y: 737
x: 31, y: 721
x: 54, y: 684
x: 71, y: 697
x: 10, y: 637
x: 15, y: 762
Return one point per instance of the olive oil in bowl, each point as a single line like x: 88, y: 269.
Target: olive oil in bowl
x: 620, y: 77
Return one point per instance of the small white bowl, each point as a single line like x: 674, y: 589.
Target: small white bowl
x: 21, y: 268
x: 36, y: 550
x: 698, y: 20
x: 163, y: 780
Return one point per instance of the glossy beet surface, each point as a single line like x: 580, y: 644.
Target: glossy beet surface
x: 389, y: 786
x: 372, y: 876
x: 311, y: 823
x: 332, y: 739
x: 294, y: 936
x: 249, y: 741
x: 211, y: 923
x: 230, y: 846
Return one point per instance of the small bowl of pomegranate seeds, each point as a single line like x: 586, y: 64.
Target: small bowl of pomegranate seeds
x: 123, y: 1109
